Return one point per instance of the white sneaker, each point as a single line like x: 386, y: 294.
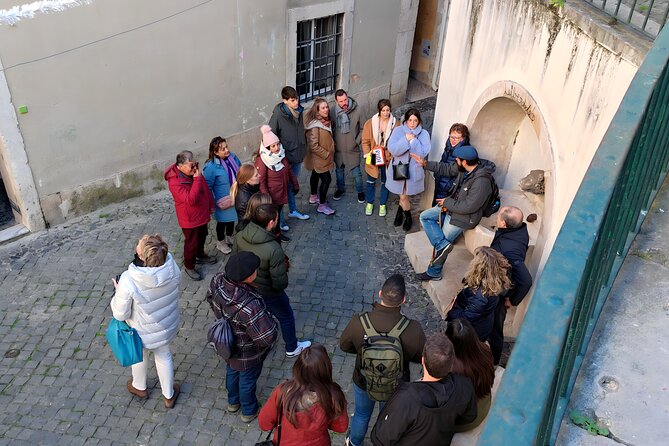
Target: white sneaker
x: 301, y: 345
x: 223, y: 247
x: 298, y: 214
x: 285, y: 228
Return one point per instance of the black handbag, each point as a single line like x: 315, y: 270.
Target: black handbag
x: 400, y: 171
x: 268, y: 441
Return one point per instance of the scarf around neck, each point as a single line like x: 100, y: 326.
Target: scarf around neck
x: 343, y: 122
x: 231, y: 167
x: 381, y: 136
x: 272, y: 160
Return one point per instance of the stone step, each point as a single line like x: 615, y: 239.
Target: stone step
x: 419, y: 251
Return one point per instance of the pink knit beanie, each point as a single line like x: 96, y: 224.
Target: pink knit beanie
x: 268, y: 137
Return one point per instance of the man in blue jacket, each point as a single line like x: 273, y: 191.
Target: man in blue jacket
x: 511, y: 240
x: 458, y: 136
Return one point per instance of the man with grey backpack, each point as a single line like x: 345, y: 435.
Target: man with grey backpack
x: 384, y: 341
x: 234, y: 299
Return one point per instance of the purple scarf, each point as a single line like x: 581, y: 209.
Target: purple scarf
x: 231, y: 167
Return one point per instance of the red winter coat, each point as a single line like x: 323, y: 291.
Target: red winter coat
x: 192, y: 198
x: 312, y: 425
x: 276, y: 183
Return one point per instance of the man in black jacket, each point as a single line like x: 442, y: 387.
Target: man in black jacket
x: 286, y: 123
x: 425, y: 412
x: 511, y: 240
x: 462, y: 210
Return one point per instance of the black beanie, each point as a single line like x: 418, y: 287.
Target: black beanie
x: 240, y: 266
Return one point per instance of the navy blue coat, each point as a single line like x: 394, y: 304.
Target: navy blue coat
x: 477, y: 309
x: 512, y: 243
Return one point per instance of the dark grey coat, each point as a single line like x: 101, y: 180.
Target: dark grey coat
x: 290, y: 132
x: 465, y: 205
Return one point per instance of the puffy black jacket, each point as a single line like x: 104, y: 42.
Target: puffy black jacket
x: 477, y: 309
x: 512, y: 243
x: 465, y: 205
x: 290, y: 132
x: 425, y: 413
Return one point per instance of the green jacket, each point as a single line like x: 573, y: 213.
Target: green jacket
x: 272, y: 276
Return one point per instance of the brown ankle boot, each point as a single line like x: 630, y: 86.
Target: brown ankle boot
x: 169, y: 402
x: 140, y: 393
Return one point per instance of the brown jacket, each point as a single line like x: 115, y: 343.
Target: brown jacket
x: 320, y: 147
x: 369, y: 142
x: 383, y: 319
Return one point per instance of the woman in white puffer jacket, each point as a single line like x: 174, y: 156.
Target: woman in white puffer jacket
x: 147, y: 298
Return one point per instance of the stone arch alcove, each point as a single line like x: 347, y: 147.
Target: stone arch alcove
x: 508, y: 128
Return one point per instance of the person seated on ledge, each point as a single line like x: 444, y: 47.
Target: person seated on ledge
x: 446, y: 221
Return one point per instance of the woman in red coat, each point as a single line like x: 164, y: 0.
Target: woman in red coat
x: 274, y: 171
x: 310, y: 403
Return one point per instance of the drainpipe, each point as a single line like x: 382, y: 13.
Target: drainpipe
x: 442, y: 32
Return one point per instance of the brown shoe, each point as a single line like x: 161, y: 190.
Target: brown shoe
x: 169, y: 403
x: 137, y: 392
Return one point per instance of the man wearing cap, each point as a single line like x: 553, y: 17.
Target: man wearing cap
x: 462, y: 210
x: 232, y: 296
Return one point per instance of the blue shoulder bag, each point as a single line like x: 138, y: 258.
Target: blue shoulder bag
x: 124, y: 342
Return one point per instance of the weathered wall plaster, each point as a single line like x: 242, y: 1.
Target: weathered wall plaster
x: 133, y: 83
x: 560, y: 74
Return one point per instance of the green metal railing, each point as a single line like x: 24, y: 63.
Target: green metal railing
x: 606, y: 214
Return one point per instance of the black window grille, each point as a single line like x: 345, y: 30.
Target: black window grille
x: 318, y: 52
x: 647, y: 16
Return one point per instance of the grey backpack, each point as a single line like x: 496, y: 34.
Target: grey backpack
x: 382, y: 358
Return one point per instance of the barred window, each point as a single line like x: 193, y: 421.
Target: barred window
x: 318, y: 53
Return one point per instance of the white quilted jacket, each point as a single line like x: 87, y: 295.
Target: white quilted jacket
x: 147, y: 298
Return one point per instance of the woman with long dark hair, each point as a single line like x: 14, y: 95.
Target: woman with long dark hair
x: 473, y: 360
x: 220, y: 172
x: 307, y: 405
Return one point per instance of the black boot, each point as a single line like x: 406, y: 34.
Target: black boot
x: 408, y: 221
x: 399, y: 217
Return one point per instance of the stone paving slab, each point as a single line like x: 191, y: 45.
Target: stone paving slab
x: 65, y: 387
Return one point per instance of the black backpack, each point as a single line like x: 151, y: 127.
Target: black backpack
x: 220, y: 336
x: 493, y: 202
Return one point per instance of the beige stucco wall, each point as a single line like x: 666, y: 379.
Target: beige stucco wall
x: 116, y: 88
x: 566, y: 72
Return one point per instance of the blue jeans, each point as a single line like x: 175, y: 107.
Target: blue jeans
x: 364, y: 406
x: 292, y: 206
x: 340, y: 171
x: 280, y: 307
x: 242, y: 388
x: 439, y: 236
x: 371, y: 187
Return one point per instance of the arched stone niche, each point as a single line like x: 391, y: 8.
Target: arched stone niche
x: 508, y: 128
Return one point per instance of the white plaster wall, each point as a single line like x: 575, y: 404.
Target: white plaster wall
x: 117, y: 87
x: 569, y: 83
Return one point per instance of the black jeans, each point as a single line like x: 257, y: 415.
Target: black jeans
x: 496, y: 339
x: 325, y: 178
x: 224, y: 228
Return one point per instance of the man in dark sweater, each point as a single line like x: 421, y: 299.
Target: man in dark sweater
x: 511, y: 240
x: 425, y: 412
x: 383, y: 317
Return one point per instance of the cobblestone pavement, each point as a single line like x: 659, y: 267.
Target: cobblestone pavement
x: 65, y: 387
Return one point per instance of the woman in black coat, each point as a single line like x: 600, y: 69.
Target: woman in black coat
x: 486, y: 279
x: 247, y: 184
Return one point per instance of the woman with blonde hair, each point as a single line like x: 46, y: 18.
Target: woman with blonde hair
x: 308, y: 405
x: 486, y: 279
x: 247, y: 184
x: 254, y: 201
x: 320, y: 153
x: 147, y: 299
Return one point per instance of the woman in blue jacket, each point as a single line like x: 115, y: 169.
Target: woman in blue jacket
x: 486, y: 280
x: 220, y: 172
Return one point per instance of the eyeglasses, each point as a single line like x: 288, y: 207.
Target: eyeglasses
x: 455, y: 138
